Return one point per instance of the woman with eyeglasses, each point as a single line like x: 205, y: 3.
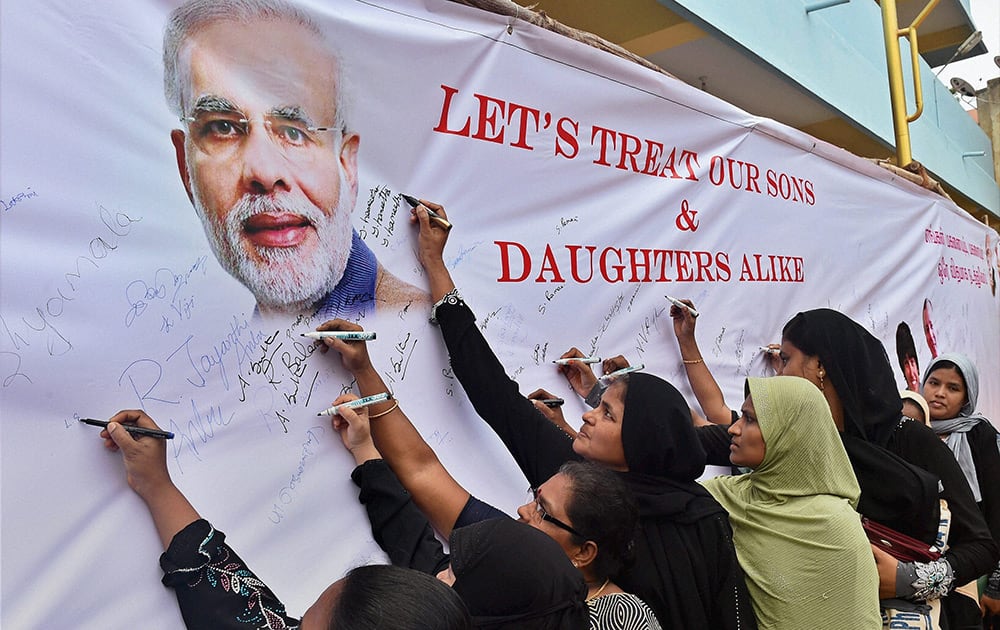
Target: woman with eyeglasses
x: 686, y: 568
x: 583, y: 508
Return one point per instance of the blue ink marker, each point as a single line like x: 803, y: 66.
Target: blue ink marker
x: 132, y: 429
x: 355, y: 404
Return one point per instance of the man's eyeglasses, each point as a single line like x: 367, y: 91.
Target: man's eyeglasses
x: 545, y: 516
x: 220, y: 132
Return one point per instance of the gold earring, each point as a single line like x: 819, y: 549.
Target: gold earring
x: 822, y: 373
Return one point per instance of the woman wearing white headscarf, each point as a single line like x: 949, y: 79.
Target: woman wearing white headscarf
x: 951, y: 387
x: 807, y: 561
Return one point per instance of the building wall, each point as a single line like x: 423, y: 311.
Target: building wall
x: 838, y: 54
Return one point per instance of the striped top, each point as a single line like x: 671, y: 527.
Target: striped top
x: 621, y: 611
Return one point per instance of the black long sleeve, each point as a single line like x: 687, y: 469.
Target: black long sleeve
x: 986, y: 455
x: 399, y: 527
x: 215, y: 589
x: 971, y: 552
x: 537, y: 445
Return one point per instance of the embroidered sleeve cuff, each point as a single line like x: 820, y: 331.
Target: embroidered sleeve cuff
x: 191, y: 549
x: 924, y: 580
x: 451, y: 297
x: 993, y: 584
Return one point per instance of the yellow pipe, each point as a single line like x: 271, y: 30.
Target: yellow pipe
x: 917, y: 21
x: 897, y: 93
x: 918, y: 90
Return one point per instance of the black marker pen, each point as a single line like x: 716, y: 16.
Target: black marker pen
x: 132, y: 429
x: 413, y: 201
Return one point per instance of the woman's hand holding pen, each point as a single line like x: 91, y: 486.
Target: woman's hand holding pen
x: 430, y: 247
x: 145, y: 458
x: 145, y: 461
x: 684, y: 321
x: 355, y: 430
x: 553, y: 413
x: 772, y: 356
x: 353, y: 354
x: 432, y: 238
x: 579, y: 374
x: 614, y: 364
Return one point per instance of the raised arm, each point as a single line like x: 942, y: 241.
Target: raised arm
x: 538, y: 446
x: 414, y: 463
x: 146, y: 471
x: 398, y: 526
x: 706, y: 390
x: 196, y: 555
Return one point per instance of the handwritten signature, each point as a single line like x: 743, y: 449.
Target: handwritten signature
x: 165, y: 285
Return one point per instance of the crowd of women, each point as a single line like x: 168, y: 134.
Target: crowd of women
x: 841, y: 512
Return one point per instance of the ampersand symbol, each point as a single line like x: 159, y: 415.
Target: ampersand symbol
x: 685, y: 221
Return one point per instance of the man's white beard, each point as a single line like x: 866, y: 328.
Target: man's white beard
x: 286, y: 280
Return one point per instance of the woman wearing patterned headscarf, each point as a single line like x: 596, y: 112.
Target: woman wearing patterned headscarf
x: 951, y: 386
x: 800, y: 542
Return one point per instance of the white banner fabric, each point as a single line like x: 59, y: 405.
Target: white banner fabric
x: 583, y: 190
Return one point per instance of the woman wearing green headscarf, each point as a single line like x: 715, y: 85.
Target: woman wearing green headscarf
x: 807, y: 561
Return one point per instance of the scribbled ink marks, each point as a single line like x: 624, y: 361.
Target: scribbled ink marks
x: 538, y: 355
x: 613, y: 311
x: 549, y: 296
x: 116, y: 226
x: 9, y: 202
x: 165, y: 287
x: 564, y: 221
x: 11, y: 369
x: 282, y: 363
x: 379, y: 218
x: 400, y: 358
x: 197, y: 429
x: 286, y: 495
x: 646, y: 329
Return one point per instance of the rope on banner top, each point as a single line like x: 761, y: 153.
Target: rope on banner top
x: 538, y: 18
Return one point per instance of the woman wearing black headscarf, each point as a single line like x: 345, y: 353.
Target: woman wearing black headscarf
x: 511, y: 575
x: 686, y: 568
x: 890, y: 455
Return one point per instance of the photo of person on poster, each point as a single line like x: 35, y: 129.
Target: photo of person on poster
x: 929, y: 333
x: 906, y: 353
x: 269, y: 160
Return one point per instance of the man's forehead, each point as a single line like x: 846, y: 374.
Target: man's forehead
x: 264, y: 63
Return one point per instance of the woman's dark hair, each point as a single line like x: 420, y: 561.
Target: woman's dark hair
x: 796, y: 330
x: 602, y: 507
x: 943, y: 364
x: 904, y: 344
x: 386, y: 597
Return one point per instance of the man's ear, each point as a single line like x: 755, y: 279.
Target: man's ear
x: 349, y: 160
x: 177, y: 138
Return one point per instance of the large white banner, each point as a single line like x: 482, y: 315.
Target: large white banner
x: 583, y: 189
